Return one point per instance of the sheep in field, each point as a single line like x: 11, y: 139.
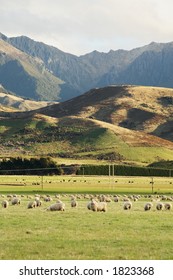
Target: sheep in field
x: 74, y: 203
x: 93, y: 205
x: 101, y: 207
x: 38, y: 202
x: 116, y: 199
x: 31, y: 204
x: 97, y: 206
x: 168, y: 206
x: 57, y: 207
x: 5, y: 203
x: 15, y: 201
x: 159, y: 206
x: 47, y: 198
x: 127, y: 205
x: 89, y: 205
x: 148, y: 206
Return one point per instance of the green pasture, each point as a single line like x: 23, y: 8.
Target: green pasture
x: 85, y: 184
x: 77, y: 233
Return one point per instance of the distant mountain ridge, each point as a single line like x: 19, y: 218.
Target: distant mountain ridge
x: 150, y: 65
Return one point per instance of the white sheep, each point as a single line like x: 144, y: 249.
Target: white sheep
x: 38, y: 202
x: 101, y: 207
x: 15, y: 201
x: 168, y: 206
x: 93, y: 205
x: 159, y: 206
x: 5, y: 203
x: 116, y: 199
x: 31, y: 204
x: 97, y: 206
x: 127, y: 205
x: 148, y: 206
x: 74, y: 203
x: 57, y: 207
x: 47, y: 198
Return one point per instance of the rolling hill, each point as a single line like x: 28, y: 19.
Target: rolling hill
x: 12, y: 103
x: 115, y: 124
x: 147, y: 109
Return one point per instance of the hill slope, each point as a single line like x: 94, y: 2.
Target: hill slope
x: 113, y: 123
x: 25, y: 75
x: 10, y: 102
x: 147, y: 109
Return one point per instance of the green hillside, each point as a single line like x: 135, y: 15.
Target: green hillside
x: 76, y: 138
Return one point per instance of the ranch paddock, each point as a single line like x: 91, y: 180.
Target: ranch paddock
x: 79, y: 233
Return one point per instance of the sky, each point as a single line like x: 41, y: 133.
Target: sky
x: 82, y: 26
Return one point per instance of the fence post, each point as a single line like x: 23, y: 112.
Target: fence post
x: 152, y: 184
x: 42, y: 182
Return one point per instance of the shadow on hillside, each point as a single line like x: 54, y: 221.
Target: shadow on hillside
x: 165, y: 131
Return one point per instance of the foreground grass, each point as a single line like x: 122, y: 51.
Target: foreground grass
x: 81, y: 234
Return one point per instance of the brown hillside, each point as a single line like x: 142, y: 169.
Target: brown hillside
x: 147, y: 109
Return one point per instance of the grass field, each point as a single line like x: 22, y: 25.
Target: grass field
x: 78, y: 233
x: 86, y: 184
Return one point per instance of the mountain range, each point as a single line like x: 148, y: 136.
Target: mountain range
x: 42, y: 72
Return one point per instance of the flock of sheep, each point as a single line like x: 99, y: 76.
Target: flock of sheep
x: 96, y: 203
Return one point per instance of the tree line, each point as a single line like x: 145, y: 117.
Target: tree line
x: 47, y: 166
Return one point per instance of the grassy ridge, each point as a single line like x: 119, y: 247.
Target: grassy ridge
x: 75, y: 139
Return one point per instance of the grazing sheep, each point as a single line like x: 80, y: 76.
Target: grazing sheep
x: 74, y: 203
x: 97, y: 206
x: 57, y: 207
x: 168, y: 206
x: 93, y: 205
x: 148, y: 206
x: 15, y: 201
x: 104, y: 198
x: 47, y: 198
x: 31, y: 204
x: 116, y: 199
x: 159, y: 206
x: 5, y: 203
x: 108, y: 199
x: 38, y: 202
x: 127, y: 205
x: 126, y: 199
x: 101, y: 207
x: 89, y: 205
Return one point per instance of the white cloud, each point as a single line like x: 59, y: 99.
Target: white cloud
x: 80, y: 26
